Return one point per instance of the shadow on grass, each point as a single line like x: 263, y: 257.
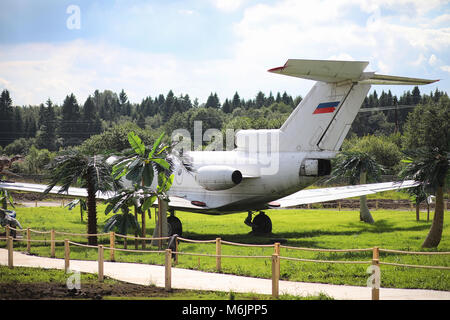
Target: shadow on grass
x: 383, y: 226
x: 304, y: 238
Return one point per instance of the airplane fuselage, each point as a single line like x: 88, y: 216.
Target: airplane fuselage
x: 265, y: 179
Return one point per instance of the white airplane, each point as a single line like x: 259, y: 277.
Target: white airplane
x: 269, y: 168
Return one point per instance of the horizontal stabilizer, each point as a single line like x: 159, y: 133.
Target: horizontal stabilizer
x: 333, y: 71
x: 384, y: 79
x: 322, y: 70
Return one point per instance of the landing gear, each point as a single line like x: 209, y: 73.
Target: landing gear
x: 261, y: 223
x: 175, y: 225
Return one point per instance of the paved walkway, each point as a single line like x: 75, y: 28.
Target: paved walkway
x: 191, y: 279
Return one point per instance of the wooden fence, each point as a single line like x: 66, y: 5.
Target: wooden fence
x: 173, y: 254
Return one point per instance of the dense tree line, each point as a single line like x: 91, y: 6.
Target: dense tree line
x: 390, y: 121
x: 50, y: 126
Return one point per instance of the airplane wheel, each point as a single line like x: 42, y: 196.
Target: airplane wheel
x: 262, y: 223
x: 175, y: 226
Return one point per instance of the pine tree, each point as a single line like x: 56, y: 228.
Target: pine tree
x: 69, y: 126
x: 6, y: 119
x: 124, y: 104
x: 416, y: 95
x: 270, y: 100
x: 46, y: 136
x: 278, y: 98
x: 226, y: 106
x: 18, y: 123
x: 260, y: 100
x: 90, y: 124
x: 168, y: 106
x: 213, y: 101
x: 236, y: 103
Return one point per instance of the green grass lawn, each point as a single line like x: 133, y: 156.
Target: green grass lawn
x: 301, y: 228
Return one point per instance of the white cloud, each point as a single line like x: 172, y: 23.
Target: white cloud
x: 421, y: 59
x: 186, y: 12
x: 398, y: 42
x: 37, y: 71
x: 445, y: 68
x: 390, y: 40
x: 432, y: 61
x: 227, y: 5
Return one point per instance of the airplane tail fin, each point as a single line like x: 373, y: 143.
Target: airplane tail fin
x: 323, y: 118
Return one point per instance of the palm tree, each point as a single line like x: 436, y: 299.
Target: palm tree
x: 139, y: 197
x: 5, y: 198
x: 81, y: 202
x: 122, y: 223
x: 357, y: 165
x: 431, y: 168
x: 91, y: 172
x: 141, y: 165
x: 418, y: 195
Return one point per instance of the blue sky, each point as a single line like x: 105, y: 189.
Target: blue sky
x: 203, y: 46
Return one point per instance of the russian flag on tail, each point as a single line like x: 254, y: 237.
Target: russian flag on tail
x: 326, y: 107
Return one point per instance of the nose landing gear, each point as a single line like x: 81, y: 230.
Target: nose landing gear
x: 261, y: 223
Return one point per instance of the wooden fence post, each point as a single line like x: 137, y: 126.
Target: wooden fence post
x: 7, y: 231
x: 168, y: 270
x: 52, y: 243
x: 10, y: 252
x: 218, y: 254
x: 66, y: 255
x: 100, y: 263
x: 112, y: 241
x: 276, y: 248
x: 376, y: 270
x: 275, y: 275
x: 28, y: 240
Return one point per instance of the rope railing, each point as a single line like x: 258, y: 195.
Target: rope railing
x: 140, y: 238
x: 326, y: 250
x: 325, y: 261
x: 195, y: 241
x: 413, y: 252
x: 247, y: 245
x: 216, y: 255
x: 81, y: 234
x: 414, y: 266
x: 173, y: 254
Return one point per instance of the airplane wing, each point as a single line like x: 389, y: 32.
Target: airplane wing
x: 336, y: 193
x: 175, y: 202
x: 295, y: 199
x: 40, y: 188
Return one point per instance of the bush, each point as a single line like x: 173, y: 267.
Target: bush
x: 381, y: 148
x: 19, y: 146
x: 35, y: 161
x: 115, y: 139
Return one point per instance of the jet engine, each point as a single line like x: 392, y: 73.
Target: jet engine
x: 218, y: 177
x: 315, y: 167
